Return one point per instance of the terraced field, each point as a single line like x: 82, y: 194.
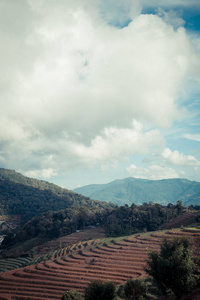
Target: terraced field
x: 75, y: 266
x: 73, y: 238
x: 14, y: 263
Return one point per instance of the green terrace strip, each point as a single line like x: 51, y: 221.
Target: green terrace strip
x: 14, y: 263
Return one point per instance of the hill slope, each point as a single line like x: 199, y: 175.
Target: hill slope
x: 138, y: 191
x: 75, y: 266
x: 29, y: 197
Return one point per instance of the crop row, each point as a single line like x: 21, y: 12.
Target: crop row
x: 75, y: 266
x: 14, y: 263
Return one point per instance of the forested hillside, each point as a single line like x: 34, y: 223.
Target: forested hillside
x: 116, y: 221
x: 20, y: 195
x: 133, y: 190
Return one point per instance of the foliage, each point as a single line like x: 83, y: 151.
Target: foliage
x: 117, y: 221
x: 99, y: 290
x: 126, y: 220
x: 174, y: 268
x: 197, y: 218
x: 72, y: 295
x: 27, y: 197
x: 135, y: 289
x: 55, y: 224
x: 138, y: 289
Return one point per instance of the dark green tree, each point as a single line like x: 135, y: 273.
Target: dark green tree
x: 136, y: 289
x: 99, y: 290
x: 173, y: 269
x: 72, y: 295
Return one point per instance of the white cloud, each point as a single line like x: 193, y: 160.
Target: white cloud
x: 71, y: 84
x: 154, y: 172
x: 194, y: 137
x: 116, y: 143
x: 87, y: 71
x: 170, y: 3
x: 119, y: 12
x: 59, y: 154
x: 44, y: 174
x: 171, y: 17
x: 177, y: 158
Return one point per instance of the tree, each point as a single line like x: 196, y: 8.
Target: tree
x: 135, y: 289
x: 72, y: 295
x: 173, y: 269
x: 99, y: 290
x: 179, y: 207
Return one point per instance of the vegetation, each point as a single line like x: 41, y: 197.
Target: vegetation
x: 119, y: 221
x: 96, y: 290
x: 138, y: 289
x: 135, y: 289
x: 174, y: 268
x: 126, y: 220
x: 27, y: 197
x: 133, y: 190
x: 72, y: 295
x: 99, y: 290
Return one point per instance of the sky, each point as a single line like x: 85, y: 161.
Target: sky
x: 97, y: 90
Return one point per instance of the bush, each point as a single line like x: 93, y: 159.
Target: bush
x: 99, y: 290
x: 72, y: 295
x: 135, y: 289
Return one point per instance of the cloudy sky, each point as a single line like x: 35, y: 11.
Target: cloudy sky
x: 96, y: 90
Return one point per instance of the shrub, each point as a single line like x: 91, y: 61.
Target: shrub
x: 135, y: 289
x: 99, y: 290
x: 72, y: 295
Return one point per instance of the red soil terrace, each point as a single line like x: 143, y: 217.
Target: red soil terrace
x: 78, y: 265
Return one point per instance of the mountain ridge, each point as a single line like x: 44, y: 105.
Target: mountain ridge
x: 133, y: 190
x: 28, y: 197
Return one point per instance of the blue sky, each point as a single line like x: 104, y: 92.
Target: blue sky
x: 93, y: 91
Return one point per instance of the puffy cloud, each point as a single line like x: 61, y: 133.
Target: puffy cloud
x: 62, y: 155
x: 171, y: 17
x: 88, y: 71
x: 154, y: 172
x: 177, y: 158
x: 116, y: 143
x: 71, y: 84
x: 45, y: 173
x: 119, y: 13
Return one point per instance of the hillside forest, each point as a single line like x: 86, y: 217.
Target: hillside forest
x: 48, y: 211
x: 123, y: 220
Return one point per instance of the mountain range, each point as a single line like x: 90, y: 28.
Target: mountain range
x: 133, y: 190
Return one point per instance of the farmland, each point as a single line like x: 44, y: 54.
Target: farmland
x: 74, y: 266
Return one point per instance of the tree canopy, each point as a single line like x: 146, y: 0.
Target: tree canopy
x: 174, y: 268
x: 99, y: 290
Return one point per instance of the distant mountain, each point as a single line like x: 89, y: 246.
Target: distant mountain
x: 132, y: 190
x: 28, y: 197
